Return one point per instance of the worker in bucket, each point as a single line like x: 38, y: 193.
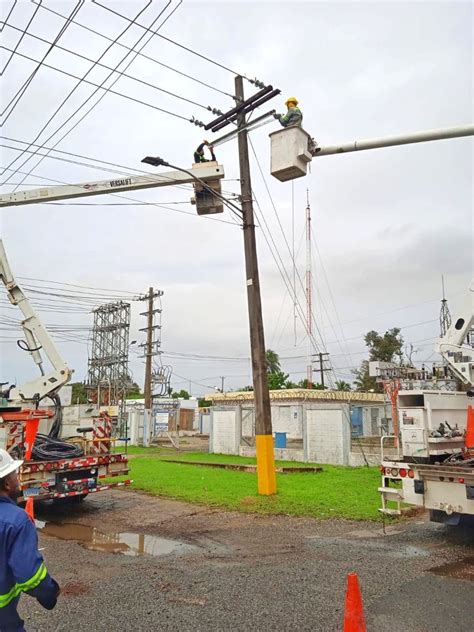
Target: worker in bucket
x: 293, y: 116
x: 199, y: 153
x: 22, y: 568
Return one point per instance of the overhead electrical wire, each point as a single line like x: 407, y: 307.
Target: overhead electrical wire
x: 149, y: 58
x: 85, y: 287
x: 323, y: 267
x: 21, y: 92
x: 281, y: 267
x: 80, y: 81
x: 24, y: 31
x: 135, y: 200
x: 168, y: 39
x: 5, y: 21
x: 119, y: 72
x: 283, y: 232
x: 121, y: 169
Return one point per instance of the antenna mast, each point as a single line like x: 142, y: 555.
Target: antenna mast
x: 309, y: 290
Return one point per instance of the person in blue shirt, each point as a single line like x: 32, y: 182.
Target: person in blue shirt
x: 22, y: 568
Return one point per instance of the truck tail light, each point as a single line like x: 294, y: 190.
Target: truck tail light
x: 394, y: 471
x: 411, y: 474
x: 461, y: 480
x: 403, y: 472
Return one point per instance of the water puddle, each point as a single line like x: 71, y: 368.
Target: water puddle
x: 462, y: 569
x: 133, y: 544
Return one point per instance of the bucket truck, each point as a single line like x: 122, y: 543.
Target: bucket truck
x: 74, y: 468
x: 434, y: 468
x: 52, y: 468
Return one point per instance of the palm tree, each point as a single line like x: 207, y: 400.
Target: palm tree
x: 273, y: 361
x: 341, y: 385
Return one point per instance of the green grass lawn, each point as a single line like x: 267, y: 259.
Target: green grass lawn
x: 337, y: 492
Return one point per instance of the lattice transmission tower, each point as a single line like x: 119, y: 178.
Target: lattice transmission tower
x: 108, y: 373
x: 444, y: 314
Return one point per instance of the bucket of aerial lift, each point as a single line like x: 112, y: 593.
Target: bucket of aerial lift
x: 290, y: 153
x: 206, y: 202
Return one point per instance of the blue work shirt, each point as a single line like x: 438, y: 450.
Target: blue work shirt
x: 22, y: 567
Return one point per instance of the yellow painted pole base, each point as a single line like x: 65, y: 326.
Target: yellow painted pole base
x: 266, y: 475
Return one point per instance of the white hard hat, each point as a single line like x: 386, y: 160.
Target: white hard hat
x: 7, y: 464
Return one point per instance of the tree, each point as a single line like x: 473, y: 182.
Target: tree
x: 305, y: 384
x: 182, y: 394
x: 273, y: 361
x: 341, y: 385
x: 386, y: 348
x: 277, y: 380
x: 79, y: 393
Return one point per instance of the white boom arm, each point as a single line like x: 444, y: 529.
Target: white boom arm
x: 452, y: 347
x: 123, y: 183
x: 392, y: 141
x: 37, y: 338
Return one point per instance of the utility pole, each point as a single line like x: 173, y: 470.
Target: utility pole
x: 222, y: 383
x: 322, y: 357
x: 150, y: 344
x: 263, y: 422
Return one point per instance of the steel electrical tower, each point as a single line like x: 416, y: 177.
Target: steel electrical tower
x: 444, y: 314
x: 108, y: 361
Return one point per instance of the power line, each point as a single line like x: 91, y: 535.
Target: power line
x: 189, y: 50
x: 120, y: 44
x: 8, y: 16
x: 20, y: 93
x: 287, y: 245
x: 135, y: 200
x: 81, y: 80
x: 86, y: 287
x: 74, y: 155
x: 20, y: 40
x: 119, y: 72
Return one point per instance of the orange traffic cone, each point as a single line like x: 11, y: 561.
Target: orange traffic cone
x: 470, y: 429
x: 29, y: 509
x: 354, y: 619
x: 31, y: 431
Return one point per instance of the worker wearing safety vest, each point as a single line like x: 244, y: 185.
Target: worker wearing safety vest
x: 293, y: 116
x: 22, y: 567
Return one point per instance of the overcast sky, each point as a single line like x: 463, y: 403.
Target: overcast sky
x: 387, y: 223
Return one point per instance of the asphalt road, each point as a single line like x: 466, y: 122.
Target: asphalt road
x: 234, y: 571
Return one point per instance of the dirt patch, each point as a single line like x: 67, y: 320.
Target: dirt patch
x: 248, y: 501
x: 245, y: 467
x: 188, y: 601
x: 74, y: 589
x: 462, y: 569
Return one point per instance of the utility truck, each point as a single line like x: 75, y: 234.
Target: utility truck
x: 434, y: 468
x: 53, y: 468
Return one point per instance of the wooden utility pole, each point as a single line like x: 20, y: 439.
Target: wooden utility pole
x: 150, y: 344
x: 322, y: 357
x: 263, y: 422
